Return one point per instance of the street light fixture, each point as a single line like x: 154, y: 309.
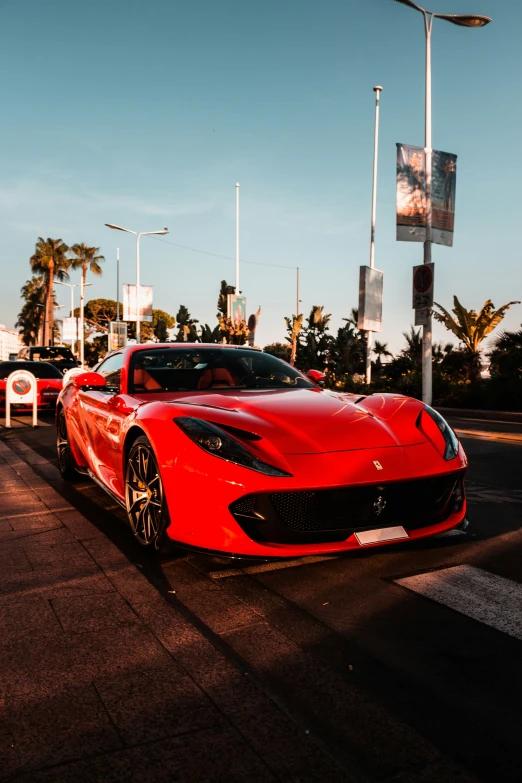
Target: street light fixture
x: 462, y: 20
x: 137, y: 234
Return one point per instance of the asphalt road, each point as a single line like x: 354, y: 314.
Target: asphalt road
x: 388, y: 657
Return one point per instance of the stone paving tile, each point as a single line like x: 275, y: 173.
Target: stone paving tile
x: 115, y: 651
x: 215, y: 755
x: 57, y: 727
x: 43, y: 521
x: 44, y: 557
x: 92, y: 612
x: 151, y: 705
x: 20, y: 503
x: 78, y: 525
x: 26, y: 619
x: 13, y: 561
x: 64, y: 581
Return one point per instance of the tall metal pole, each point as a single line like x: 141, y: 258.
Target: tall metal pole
x: 427, y: 336
x: 138, y: 334
x: 82, y: 336
x: 377, y: 90
x: 237, y: 237
x: 72, y: 300
x: 117, y: 283
x: 298, y: 298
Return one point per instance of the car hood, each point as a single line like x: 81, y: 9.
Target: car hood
x: 307, y: 421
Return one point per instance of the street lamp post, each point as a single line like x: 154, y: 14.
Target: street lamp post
x: 377, y: 90
x: 462, y: 20
x: 237, y: 237
x: 72, y: 286
x: 137, y: 234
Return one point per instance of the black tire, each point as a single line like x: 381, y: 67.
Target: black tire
x: 145, y: 499
x: 66, y: 461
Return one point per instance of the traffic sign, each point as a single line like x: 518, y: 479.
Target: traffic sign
x: 21, y: 388
x: 423, y: 275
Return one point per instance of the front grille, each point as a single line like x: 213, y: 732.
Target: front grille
x: 334, y: 514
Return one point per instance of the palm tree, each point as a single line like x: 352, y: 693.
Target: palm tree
x: 30, y: 317
x: 85, y: 258
x: 472, y: 328
x: 506, y: 356
x: 380, y: 350
x: 50, y: 261
x: 413, y: 351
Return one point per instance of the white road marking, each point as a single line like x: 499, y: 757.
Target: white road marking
x: 490, y: 599
x: 275, y: 566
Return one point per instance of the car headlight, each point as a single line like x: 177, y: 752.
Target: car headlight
x: 217, y: 442
x: 450, y: 439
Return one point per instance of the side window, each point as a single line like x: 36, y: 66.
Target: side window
x: 111, y: 370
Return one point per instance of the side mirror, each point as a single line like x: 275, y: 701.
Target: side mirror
x: 316, y: 376
x: 92, y: 380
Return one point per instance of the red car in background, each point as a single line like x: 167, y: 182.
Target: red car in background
x: 49, y: 381
x: 228, y: 449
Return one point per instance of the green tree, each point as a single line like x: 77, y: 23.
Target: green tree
x: 50, y: 261
x: 280, y: 350
x: 413, y: 350
x: 187, y: 331
x: 95, y: 349
x: 209, y: 335
x: 471, y: 328
x: 380, y: 350
x: 30, y: 317
x: 294, y: 327
x: 87, y: 259
x: 348, y: 350
x: 506, y: 356
x: 152, y: 330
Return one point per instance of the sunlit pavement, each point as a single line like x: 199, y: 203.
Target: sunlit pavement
x: 390, y: 664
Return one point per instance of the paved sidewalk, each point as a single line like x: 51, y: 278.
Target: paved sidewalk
x: 102, y: 680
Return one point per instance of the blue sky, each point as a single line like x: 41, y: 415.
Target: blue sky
x: 147, y: 113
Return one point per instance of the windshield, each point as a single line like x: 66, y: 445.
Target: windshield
x: 43, y: 370
x: 52, y: 354
x: 193, y: 369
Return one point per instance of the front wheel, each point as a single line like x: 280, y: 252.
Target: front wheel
x: 144, y: 497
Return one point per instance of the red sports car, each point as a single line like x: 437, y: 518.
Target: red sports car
x: 49, y: 381
x: 228, y: 449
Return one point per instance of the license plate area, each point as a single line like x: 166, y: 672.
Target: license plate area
x: 379, y: 535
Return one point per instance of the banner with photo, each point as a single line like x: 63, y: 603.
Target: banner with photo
x: 236, y: 307
x: 129, y: 302
x: 443, y: 188
x: 411, y: 194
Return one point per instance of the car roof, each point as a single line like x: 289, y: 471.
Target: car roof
x: 183, y: 346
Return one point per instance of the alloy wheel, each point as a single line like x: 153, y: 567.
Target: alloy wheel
x: 144, y: 496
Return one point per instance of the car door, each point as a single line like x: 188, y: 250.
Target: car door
x: 102, y: 418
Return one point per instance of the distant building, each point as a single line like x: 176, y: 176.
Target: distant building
x: 10, y: 343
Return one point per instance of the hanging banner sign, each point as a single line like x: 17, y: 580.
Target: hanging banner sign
x: 411, y: 195
x: 21, y: 389
x: 423, y: 276
x: 117, y: 335
x: 370, y: 299
x: 69, y: 330
x: 236, y: 308
x: 443, y: 188
x: 129, y: 302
